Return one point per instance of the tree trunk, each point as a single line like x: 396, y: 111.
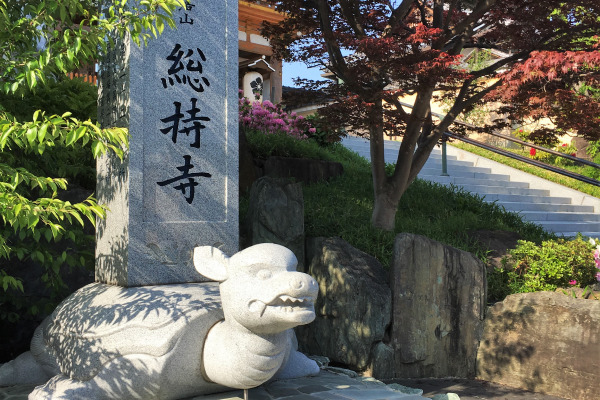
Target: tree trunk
x: 384, y: 213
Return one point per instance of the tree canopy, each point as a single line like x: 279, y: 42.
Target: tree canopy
x: 379, y: 51
x: 40, y: 42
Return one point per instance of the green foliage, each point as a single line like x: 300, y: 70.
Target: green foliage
x: 263, y: 146
x: 541, y: 140
x: 40, y: 39
x: 322, y: 133
x: 555, y: 263
x: 46, y: 125
x: 56, y: 97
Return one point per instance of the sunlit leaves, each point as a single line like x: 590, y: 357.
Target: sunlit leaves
x: 42, y: 38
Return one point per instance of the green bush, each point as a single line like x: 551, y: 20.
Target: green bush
x: 553, y: 264
x: 56, y: 97
x: 263, y: 146
x: 321, y: 133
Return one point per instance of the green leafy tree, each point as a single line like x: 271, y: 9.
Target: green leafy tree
x: 40, y: 42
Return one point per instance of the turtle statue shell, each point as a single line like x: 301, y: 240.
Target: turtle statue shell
x: 156, y: 331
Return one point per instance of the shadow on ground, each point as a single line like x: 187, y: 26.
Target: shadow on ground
x: 471, y: 389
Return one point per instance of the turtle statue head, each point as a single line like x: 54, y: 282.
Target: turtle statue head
x: 260, y: 288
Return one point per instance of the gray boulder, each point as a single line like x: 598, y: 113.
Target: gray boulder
x: 543, y: 342
x: 276, y: 215
x: 353, y: 307
x: 439, y: 300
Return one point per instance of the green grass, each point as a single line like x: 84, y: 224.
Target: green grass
x: 542, y: 173
x: 342, y: 207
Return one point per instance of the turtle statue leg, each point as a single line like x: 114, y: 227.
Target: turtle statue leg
x: 23, y: 370
x: 135, y: 376
x: 297, y: 365
x: 32, y: 367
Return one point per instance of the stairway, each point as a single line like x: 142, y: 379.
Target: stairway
x: 556, y: 208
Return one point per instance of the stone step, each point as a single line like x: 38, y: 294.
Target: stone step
x: 544, y: 207
x: 485, y: 190
x: 560, y: 216
x: 526, y: 199
x: 462, y: 171
x: 455, y: 178
x: 433, y: 163
x: 458, y: 181
x: 569, y: 226
x: 438, y: 157
x: 536, y: 200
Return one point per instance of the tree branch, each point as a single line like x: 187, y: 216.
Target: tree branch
x: 451, y: 8
x: 468, y: 24
x: 398, y: 15
x: 337, y: 60
x: 349, y: 11
x: 438, y: 13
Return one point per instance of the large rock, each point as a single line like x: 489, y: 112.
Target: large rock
x: 439, y: 299
x: 276, y: 215
x: 353, y: 307
x: 544, y: 342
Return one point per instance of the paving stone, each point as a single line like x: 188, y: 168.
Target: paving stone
x: 331, y: 396
x: 372, y: 394
x: 301, y: 396
x: 313, y: 389
x: 16, y: 392
x: 282, y: 391
x: 232, y: 395
x: 325, y: 386
x: 259, y: 393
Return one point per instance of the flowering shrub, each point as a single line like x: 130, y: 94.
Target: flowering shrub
x: 565, y: 148
x: 554, y: 263
x: 269, y: 118
x: 596, y: 257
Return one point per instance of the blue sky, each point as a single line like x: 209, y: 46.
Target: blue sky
x: 298, y: 69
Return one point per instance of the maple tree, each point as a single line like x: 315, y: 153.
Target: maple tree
x: 381, y: 50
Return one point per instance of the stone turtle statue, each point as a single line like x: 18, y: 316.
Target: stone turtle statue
x: 175, y: 341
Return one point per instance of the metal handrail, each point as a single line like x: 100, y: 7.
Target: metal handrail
x: 540, y: 164
x: 535, y: 146
x: 509, y: 154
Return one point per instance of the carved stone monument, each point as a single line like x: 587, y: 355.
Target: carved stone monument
x: 177, y: 187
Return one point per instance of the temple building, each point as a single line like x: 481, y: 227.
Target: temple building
x: 260, y: 72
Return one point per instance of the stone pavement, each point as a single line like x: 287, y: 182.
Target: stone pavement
x: 327, y: 385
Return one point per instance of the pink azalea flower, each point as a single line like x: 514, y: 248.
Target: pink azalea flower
x: 312, y: 130
x: 573, y: 282
x: 598, y: 276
